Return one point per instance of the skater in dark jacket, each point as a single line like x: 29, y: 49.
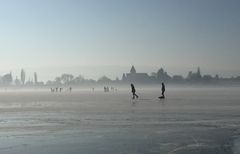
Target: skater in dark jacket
x: 133, y: 91
x: 163, y: 91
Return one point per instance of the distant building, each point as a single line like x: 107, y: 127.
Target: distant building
x: 124, y: 78
x: 207, y: 78
x: 194, y: 76
x: 177, y: 78
x: 133, y: 76
x: 163, y: 76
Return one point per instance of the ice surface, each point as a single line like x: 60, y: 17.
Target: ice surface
x: 189, y: 120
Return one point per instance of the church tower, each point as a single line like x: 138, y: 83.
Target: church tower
x: 133, y: 70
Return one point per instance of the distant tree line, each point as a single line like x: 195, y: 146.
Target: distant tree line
x: 155, y: 77
x: 7, y: 80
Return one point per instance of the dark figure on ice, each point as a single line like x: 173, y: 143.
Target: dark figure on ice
x: 133, y: 91
x: 52, y: 89
x: 163, y: 91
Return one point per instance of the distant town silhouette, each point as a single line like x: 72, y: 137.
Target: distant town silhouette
x: 132, y: 77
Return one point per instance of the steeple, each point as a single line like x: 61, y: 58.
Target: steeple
x: 124, y: 77
x: 133, y: 70
x: 199, y: 72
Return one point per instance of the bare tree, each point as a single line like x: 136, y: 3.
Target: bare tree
x: 35, y: 78
x: 23, y: 76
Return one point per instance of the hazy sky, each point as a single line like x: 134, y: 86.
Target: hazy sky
x: 97, y: 37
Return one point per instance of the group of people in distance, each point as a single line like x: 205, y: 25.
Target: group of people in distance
x: 135, y: 95
x: 59, y: 89
x: 107, y: 89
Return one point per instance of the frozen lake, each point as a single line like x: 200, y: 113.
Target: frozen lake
x: 189, y: 120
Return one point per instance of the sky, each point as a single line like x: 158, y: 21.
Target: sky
x: 107, y: 37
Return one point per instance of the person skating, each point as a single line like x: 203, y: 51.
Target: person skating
x: 163, y: 91
x: 133, y: 91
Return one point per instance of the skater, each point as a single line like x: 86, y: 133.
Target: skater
x: 52, y: 90
x: 133, y: 91
x: 163, y: 91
